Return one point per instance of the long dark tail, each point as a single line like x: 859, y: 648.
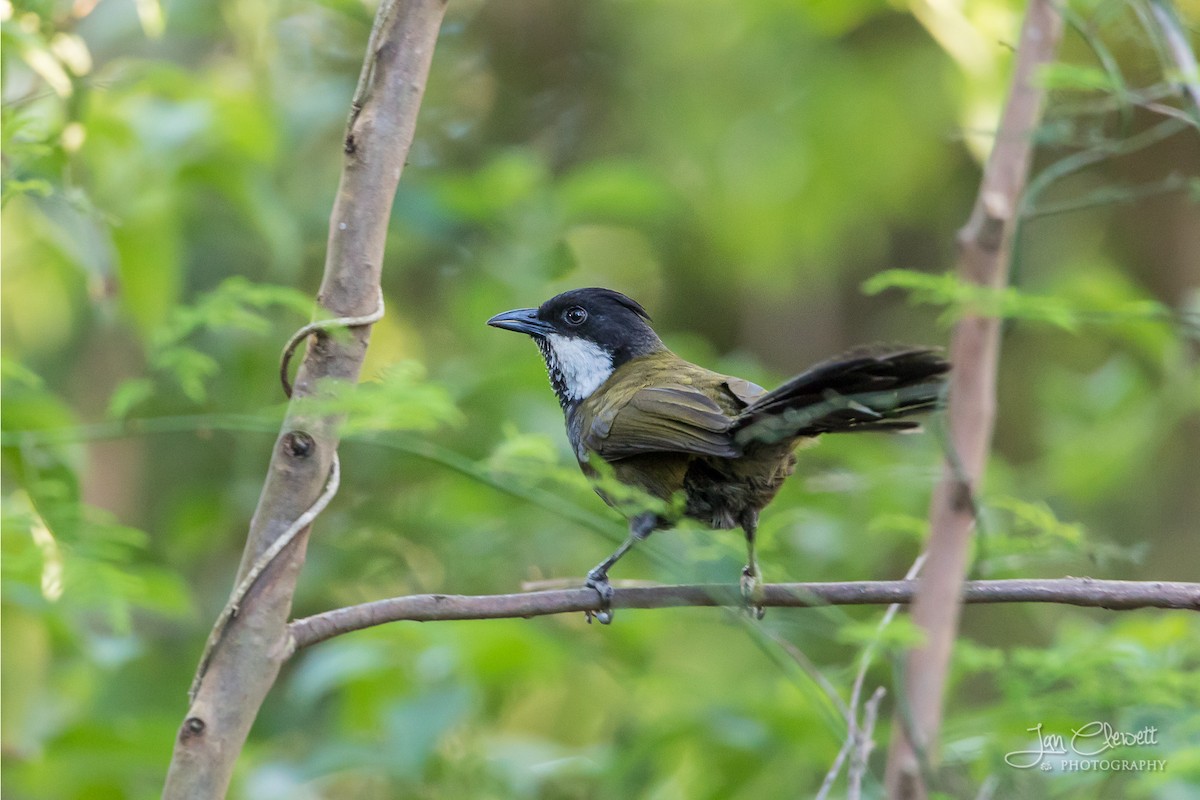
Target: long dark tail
x: 863, y: 390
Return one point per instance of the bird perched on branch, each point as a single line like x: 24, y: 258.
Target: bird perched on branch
x: 669, y: 427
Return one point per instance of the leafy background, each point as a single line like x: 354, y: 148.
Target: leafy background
x: 755, y: 173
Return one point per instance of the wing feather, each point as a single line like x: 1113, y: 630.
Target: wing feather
x: 676, y: 419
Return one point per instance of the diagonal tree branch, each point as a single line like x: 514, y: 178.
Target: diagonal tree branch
x: 1112, y: 595
x: 250, y: 646
x: 1179, y: 49
x: 984, y: 244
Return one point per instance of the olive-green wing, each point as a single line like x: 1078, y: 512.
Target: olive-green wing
x: 673, y: 419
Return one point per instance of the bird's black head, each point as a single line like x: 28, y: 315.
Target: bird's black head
x: 584, y: 335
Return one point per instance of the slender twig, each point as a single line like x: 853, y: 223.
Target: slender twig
x: 1179, y: 48
x: 1108, y: 103
x: 1087, y: 592
x: 835, y: 768
x: 1110, y: 196
x: 1101, y: 152
x: 1120, y: 88
x: 864, y: 664
x: 865, y: 744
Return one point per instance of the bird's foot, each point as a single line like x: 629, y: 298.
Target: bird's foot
x: 752, y: 592
x: 598, y: 580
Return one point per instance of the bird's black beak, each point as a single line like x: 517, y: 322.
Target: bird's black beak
x: 521, y: 320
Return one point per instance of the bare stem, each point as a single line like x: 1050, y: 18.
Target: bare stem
x: 865, y: 744
x: 864, y: 664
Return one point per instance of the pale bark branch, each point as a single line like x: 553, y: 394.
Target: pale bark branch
x: 1088, y: 592
x: 249, y: 650
x: 984, y: 244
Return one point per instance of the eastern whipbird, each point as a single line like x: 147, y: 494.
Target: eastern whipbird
x: 666, y: 426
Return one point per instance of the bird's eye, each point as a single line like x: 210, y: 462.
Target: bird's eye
x: 575, y: 315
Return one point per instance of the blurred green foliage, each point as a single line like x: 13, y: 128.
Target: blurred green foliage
x: 745, y: 169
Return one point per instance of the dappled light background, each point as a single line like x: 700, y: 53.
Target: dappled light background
x: 741, y: 168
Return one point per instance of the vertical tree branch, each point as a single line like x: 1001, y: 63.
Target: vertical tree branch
x: 244, y: 666
x: 983, y: 244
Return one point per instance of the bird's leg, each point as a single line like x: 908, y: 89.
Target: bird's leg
x: 639, y: 528
x: 751, y: 578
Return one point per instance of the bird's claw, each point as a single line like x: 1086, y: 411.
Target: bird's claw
x: 752, y: 593
x: 599, y: 582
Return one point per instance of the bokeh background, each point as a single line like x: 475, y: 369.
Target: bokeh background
x: 742, y: 168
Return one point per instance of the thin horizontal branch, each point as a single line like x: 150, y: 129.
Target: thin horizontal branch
x: 1112, y: 595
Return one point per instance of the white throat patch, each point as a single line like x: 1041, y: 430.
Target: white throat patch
x: 577, y: 367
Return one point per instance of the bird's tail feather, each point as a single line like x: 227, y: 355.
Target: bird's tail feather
x: 864, y: 390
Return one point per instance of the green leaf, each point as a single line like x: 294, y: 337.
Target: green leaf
x: 901, y: 634
x: 236, y: 304
x: 1038, y: 518
x: 34, y: 186
x: 908, y: 524
x: 614, y: 191
x: 1077, y: 77
x: 964, y: 298
x: 523, y: 454
x: 128, y: 395
x: 190, y: 368
x: 400, y: 400
x: 149, y: 254
x: 15, y: 372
